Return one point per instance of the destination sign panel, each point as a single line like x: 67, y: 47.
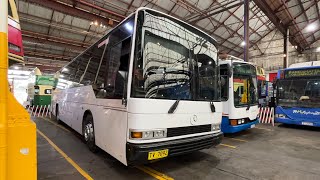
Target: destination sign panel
x: 301, y: 73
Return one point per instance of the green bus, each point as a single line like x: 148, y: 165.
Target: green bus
x: 40, y: 88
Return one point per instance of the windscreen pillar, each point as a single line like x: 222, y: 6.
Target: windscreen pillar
x: 246, y: 30
x: 18, y: 150
x: 285, y: 49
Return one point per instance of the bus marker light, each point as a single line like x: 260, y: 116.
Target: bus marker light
x: 233, y: 122
x: 136, y: 134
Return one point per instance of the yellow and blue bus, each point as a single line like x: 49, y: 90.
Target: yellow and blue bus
x: 298, y: 95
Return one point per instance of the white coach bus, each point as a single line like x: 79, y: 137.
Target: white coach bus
x: 147, y: 90
x: 238, y: 94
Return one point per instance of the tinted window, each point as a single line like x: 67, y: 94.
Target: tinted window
x: 112, y: 78
x: 224, y: 79
x: 83, y: 69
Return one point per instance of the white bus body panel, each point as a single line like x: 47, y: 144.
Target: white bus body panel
x: 112, y: 121
x: 153, y: 114
x: 109, y: 118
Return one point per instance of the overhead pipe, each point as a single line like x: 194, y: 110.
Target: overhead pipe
x: 101, y: 9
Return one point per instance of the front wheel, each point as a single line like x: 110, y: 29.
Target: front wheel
x: 88, y: 133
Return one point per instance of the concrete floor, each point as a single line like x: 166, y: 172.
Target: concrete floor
x: 265, y: 152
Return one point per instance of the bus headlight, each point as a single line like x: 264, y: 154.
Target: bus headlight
x: 215, y: 127
x: 281, y: 116
x: 148, y: 134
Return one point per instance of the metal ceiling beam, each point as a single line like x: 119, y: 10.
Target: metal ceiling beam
x: 47, y: 55
x: 62, y: 40
x: 101, y: 9
x: 302, y: 11
x: 295, y: 27
x: 27, y: 18
x: 305, y: 15
x: 216, y: 12
x: 68, y: 9
x: 264, y: 6
x: 211, y: 19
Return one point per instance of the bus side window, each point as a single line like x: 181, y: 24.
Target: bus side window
x: 224, y: 79
x: 116, y: 63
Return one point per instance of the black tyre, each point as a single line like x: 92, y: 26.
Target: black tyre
x: 88, y: 133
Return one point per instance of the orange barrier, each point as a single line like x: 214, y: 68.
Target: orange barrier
x: 266, y: 115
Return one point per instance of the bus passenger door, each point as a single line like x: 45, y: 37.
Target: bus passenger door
x: 112, y: 82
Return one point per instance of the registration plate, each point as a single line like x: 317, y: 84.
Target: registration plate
x: 158, y: 154
x: 307, y: 123
x: 252, y: 126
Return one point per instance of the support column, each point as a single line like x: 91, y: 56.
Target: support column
x: 285, y: 49
x: 3, y: 89
x: 246, y: 30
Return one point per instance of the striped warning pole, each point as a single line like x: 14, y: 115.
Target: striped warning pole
x: 39, y: 111
x: 272, y: 114
x: 47, y: 111
x: 44, y: 109
x: 34, y: 113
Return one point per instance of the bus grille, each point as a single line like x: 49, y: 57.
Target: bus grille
x: 180, y: 131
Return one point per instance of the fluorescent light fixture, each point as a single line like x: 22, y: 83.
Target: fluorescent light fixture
x: 65, y: 70
x: 243, y: 43
x: 312, y: 27
x: 15, y: 67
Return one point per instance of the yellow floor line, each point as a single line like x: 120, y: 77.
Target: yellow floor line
x: 264, y: 128
x: 154, y: 173
x: 65, y: 129
x: 226, y: 145
x: 75, y: 165
x: 236, y: 139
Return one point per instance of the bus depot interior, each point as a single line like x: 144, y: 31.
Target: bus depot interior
x: 147, y: 89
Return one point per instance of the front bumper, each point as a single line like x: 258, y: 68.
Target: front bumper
x: 138, y: 153
x: 308, y: 122
x: 227, y: 128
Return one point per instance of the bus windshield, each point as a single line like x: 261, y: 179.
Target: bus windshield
x: 244, y: 84
x: 299, y: 93
x: 173, y: 60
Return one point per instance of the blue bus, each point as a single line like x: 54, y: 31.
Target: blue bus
x: 298, y: 96
x: 239, y: 95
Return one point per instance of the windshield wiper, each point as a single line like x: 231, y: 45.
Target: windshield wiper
x: 212, y: 107
x: 174, y: 107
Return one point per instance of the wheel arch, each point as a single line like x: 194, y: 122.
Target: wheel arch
x: 85, y: 114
